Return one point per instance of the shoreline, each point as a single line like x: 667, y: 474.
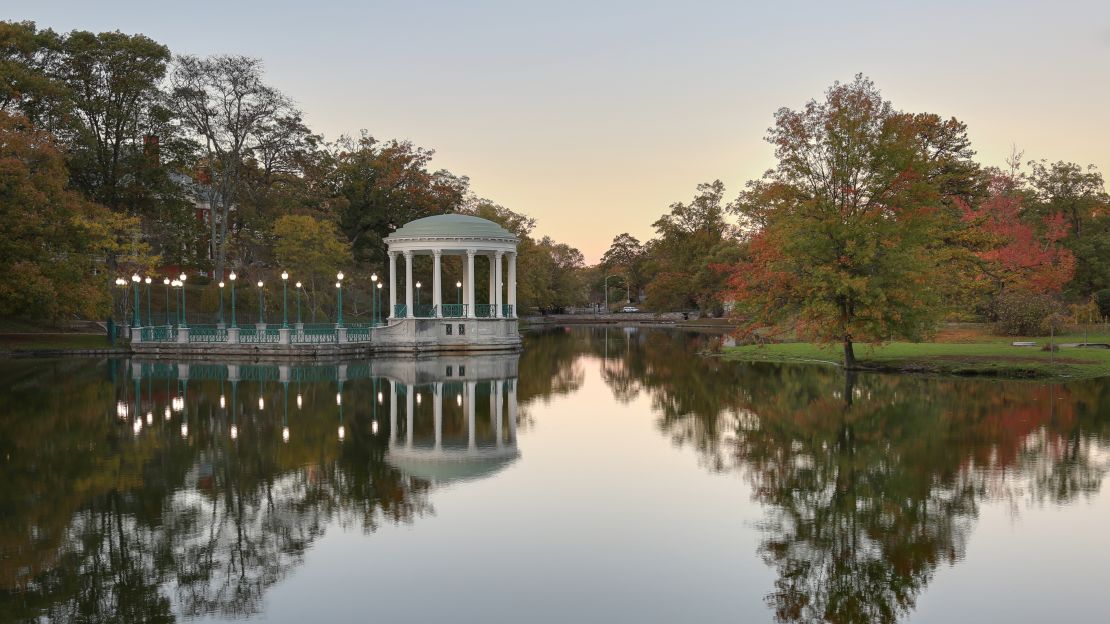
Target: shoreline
x: 988, y: 360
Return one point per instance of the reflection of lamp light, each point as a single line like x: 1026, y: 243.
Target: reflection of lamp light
x: 167, y: 412
x: 138, y: 426
x: 342, y: 432
x: 458, y: 400
x: 121, y: 409
x: 338, y: 399
x: 184, y: 430
x: 223, y: 403
x: 261, y: 403
x: 285, y: 434
x: 373, y: 426
x: 380, y: 398
x: 418, y: 398
x: 149, y: 418
x: 234, y: 432
x: 178, y: 404
x: 299, y: 401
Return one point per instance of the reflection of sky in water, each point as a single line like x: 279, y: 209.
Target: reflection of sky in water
x: 652, y: 484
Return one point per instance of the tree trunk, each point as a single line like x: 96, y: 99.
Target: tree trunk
x: 849, y: 354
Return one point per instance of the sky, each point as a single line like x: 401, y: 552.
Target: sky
x: 594, y: 117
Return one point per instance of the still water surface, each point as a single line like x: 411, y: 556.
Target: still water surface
x: 603, y: 475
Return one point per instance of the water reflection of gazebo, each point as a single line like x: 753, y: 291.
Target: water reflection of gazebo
x: 452, y: 418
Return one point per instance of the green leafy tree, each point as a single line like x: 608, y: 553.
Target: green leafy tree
x: 844, y: 231
x: 313, y: 251
x: 28, y: 85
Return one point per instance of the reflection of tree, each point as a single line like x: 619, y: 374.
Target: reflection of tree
x: 102, y: 524
x: 868, y: 483
x: 548, y: 367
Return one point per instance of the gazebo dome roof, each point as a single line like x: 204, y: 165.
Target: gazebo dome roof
x: 451, y: 226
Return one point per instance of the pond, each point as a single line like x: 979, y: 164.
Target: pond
x: 602, y: 475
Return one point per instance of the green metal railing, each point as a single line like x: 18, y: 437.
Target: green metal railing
x: 454, y: 310
x: 317, y: 334
x: 425, y: 310
x: 160, y: 333
x: 259, y: 336
x: 207, y: 333
x: 506, y: 310
x: 484, y: 310
x: 400, y: 310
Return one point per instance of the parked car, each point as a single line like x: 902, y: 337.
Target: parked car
x: 630, y: 309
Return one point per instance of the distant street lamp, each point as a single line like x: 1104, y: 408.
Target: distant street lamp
x: 607, y: 278
x: 284, y: 300
x: 183, y: 277
x: 417, y: 296
x: 379, y: 302
x: 149, y: 312
x: 261, y: 302
x: 166, y: 310
x: 232, y: 277
x: 298, y: 303
x: 458, y: 293
x: 135, y: 318
x: 122, y: 283
x: 339, y: 293
x: 373, y: 299
x: 177, y: 315
x: 220, y: 318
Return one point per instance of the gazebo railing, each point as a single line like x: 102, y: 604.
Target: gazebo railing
x: 358, y: 333
x: 425, y: 310
x: 259, y: 336
x: 454, y: 310
x: 400, y: 310
x: 158, y: 333
x: 506, y: 310
x: 318, y: 334
x: 484, y: 310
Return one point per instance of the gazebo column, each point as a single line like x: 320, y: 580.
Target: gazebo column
x: 408, y: 415
x: 497, y: 274
x: 409, y: 312
x: 392, y: 412
x: 437, y: 282
x: 512, y: 284
x: 492, y: 288
x: 469, y: 283
x: 498, y: 411
x: 471, y: 410
x: 437, y: 397
x: 470, y: 439
x: 512, y: 411
x: 392, y: 284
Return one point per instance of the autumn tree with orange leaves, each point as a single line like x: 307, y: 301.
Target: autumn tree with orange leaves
x: 844, y: 232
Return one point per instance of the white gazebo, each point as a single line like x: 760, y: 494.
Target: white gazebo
x: 419, y: 324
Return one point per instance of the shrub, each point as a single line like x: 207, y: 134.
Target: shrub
x: 1025, y: 313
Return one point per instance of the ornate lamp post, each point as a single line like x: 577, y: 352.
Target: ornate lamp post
x: 122, y: 283
x: 284, y: 300
x: 373, y: 299
x: 298, y: 303
x: 183, y: 277
x: 458, y: 293
x: 149, y: 312
x: 177, y: 314
x: 418, y: 285
x: 261, y: 302
x: 220, y: 318
x: 232, y: 277
x: 379, y: 289
x: 166, y: 281
x: 135, y: 279
x: 339, y: 293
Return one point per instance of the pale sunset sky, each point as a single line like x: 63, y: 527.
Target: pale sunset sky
x: 593, y: 117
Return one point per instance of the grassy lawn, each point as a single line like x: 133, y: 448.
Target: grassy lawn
x: 989, y: 357
x: 43, y: 342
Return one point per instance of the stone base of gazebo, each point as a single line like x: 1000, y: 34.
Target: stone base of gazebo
x: 446, y: 334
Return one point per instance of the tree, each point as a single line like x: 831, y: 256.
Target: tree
x: 313, y: 248
x: 1079, y: 195
x: 386, y: 185
x: 225, y: 103
x: 113, y: 82
x: 843, y: 230
x: 28, y: 87
x: 52, y: 240
x: 678, y: 261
